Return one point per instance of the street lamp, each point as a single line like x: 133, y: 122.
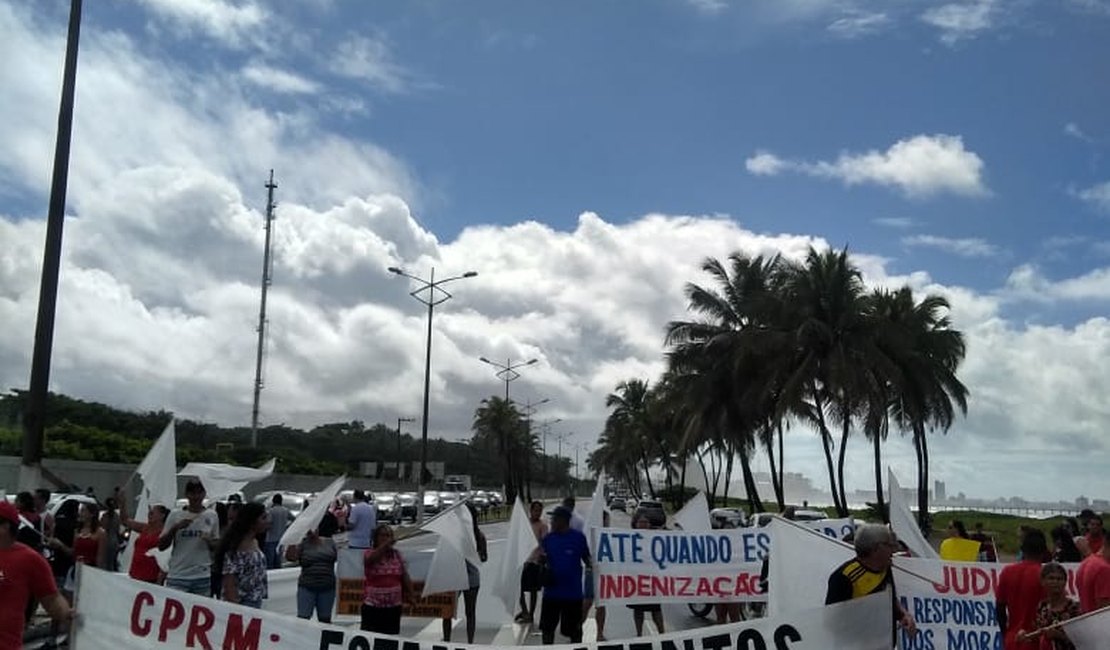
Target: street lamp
x: 506, y: 372
x: 529, y: 409
x: 436, y: 295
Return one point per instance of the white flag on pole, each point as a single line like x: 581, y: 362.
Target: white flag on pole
x: 158, y: 470
x: 310, y: 518
x: 695, y: 514
x: 519, y: 544
x: 904, y: 525
x: 456, y: 526
x: 1090, y: 631
x: 221, y: 480
x: 447, y: 571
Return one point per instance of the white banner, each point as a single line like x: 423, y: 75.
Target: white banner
x: 680, y: 566
x: 672, y: 566
x: 117, y: 613
x: 1090, y: 631
x: 959, y: 610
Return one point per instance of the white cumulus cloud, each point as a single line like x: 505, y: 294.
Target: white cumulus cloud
x: 1097, y: 195
x: 964, y: 247
x: 280, y: 81
x: 961, y: 20
x: 920, y: 166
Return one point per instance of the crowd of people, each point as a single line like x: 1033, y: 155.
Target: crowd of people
x: 1031, y: 594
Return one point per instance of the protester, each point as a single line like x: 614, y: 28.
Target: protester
x: 1064, y: 548
x: 62, y: 528
x: 362, y: 521
x: 241, y: 562
x: 317, y: 555
x: 143, y: 566
x: 588, y: 596
x: 1095, y: 535
x: 42, y: 500
x: 193, y: 533
x: 387, y: 584
x: 576, y: 520
x: 24, y: 575
x: 279, y: 516
x: 870, y: 572
x: 1019, y: 591
x: 110, y: 522
x: 1092, y: 580
x: 88, y: 543
x: 958, y: 547
x: 530, y: 575
x: 566, y: 552
x: 474, y: 582
x: 1055, y: 608
x: 640, y: 521
x: 987, y: 552
x: 30, y: 535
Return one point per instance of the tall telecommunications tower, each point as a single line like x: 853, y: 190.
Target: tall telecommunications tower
x: 267, y: 278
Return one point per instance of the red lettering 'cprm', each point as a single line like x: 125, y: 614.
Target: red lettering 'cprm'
x: 140, y: 626
x: 173, y: 615
x: 237, y: 638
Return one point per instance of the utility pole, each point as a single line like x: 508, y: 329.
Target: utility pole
x: 34, y: 413
x: 267, y: 278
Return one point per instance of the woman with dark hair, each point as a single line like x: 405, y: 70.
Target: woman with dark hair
x: 958, y: 547
x: 88, y: 543
x: 241, y: 561
x: 317, y: 555
x: 387, y: 584
x: 1064, y: 548
x: 1055, y: 608
x: 143, y: 566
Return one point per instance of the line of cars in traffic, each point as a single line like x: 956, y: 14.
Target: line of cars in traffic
x: 720, y: 517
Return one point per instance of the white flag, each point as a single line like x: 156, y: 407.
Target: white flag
x: 159, y: 473
x: 456, y: 527
x: 221, y: 480
x: 800, y: 563
x: 310, y: 518
x: 1090, y: 631
x: 904, y: 525
x: 519, y: 544
x: 695, y: 514
x: 447, y: 571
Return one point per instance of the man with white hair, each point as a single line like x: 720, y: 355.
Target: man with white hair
x: 870, y: 572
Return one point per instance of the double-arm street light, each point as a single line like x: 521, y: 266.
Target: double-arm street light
x: 436, y: 295
x: 507, y: 372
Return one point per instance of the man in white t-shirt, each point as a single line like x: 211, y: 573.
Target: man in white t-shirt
x: 362, y: 521
x: 576, y: 520
x: 193, y: 533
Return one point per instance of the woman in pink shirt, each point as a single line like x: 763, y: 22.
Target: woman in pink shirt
x: 387, y: 584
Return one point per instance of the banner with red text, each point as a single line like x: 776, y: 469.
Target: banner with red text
x: 118, y: 613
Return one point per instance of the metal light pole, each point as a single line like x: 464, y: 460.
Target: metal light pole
x: 399, y: 421
x: 34, y: 413
x: 529, y: 409
x: 507, y: 372
x: 545, y: 428
x: 436, y: 295
x: 560, y: 438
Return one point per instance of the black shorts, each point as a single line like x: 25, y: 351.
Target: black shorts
x: 530, y: 577
x: 383, y: 620
x: 646, y: 609
x: 569, y: 612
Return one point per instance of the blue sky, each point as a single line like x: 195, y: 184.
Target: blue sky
x: 584, y: 157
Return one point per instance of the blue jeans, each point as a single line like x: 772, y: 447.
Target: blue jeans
x: 198, y: 586
x: 320, y: 601
x: 270, y: 550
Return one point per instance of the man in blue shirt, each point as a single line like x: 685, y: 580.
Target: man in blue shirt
x: 566, y: 552
x: 362, y: 521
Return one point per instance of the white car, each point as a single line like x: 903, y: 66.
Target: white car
x: 432, y: 503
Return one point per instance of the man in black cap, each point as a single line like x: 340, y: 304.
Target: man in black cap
x: 566, y: 552
x: 24, y: 574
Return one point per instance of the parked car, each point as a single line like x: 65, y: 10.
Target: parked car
x: 294, y: 501
x: 654, y: 511
x: 480, y: 500
x: 617, y: 503
x: 407, y: 501
x: 389, y: 507
x: 727, y: 518
x: 432, y: 503
x: 448, y: 499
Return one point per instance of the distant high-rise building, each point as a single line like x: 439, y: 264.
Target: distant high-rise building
x: 1082, y: 502
x: 939, y: 492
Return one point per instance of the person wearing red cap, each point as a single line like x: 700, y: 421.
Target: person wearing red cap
x: 24, y: 574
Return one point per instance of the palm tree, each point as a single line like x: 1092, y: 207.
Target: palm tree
x: 930, y: 392
x: 499, y: 426
x: 630, y: 421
